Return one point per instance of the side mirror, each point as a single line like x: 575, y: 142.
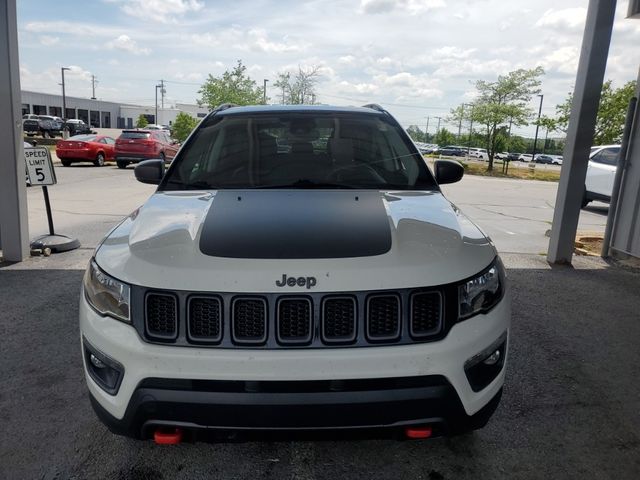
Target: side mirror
x: 447, y: 171
x: 150, y: 171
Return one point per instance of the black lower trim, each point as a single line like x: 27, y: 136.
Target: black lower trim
x: 597, y: 196
x: 201, y: 406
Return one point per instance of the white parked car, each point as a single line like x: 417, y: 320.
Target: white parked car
x: 598, y: 185
x: 501, y: 155
x: 330, y: 286
x: 526, y: 157
x: 480, y: 153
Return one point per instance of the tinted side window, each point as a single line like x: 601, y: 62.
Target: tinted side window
x: 607, y: 156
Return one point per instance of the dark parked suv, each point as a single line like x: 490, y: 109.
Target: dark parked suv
x: 132, y: 146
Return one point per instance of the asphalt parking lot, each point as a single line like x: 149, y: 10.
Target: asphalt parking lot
x: 570, y: 407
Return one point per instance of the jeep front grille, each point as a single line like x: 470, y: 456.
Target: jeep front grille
x: 249, y: 321
x: 383, y: 317
x: 205, y: 319
x: 294, y: 321
x: 426, y: 314
x: 304, y: 320
x: 162, y: 316
x: 339, y: 320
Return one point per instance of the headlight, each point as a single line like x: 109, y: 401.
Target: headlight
x: 483, y: 292
x: 106, y: 294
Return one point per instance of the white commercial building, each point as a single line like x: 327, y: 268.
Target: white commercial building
x: 103, y: 114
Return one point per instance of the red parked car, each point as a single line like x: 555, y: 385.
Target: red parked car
x: 86, y: 148
x: 133, y: 146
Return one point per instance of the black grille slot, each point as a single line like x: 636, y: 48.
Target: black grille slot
x: 426, y: 314
x: 161, y: 314
x: 250, y: 320
x: 383, y: 317
x: 339, y: 320
x: 205, y: 319
x: 294, y: 321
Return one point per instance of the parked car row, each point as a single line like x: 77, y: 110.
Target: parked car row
x: 132, y: 146
x: 49, y: 126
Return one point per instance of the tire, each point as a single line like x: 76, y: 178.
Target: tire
x: 121, y: 164
x: 585, y: 199
x: 99, y: 161
x: 65, y: 162
x: 46, y: 134
x: 162, y: 157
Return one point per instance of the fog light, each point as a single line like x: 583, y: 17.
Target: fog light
x: 106, y: 372
x: 493, y: 358
x: 483, y: 368
x: 97, y: 362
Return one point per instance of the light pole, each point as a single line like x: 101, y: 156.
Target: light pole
x: 156, y: 117
x: 64, y: 97
x: 426, y: 132
x: 264, y: 91
x: 535, y: 140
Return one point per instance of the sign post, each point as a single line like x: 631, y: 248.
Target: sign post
x: 40, y: 172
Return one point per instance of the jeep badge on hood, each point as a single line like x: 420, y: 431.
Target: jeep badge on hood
x: 300, y: 281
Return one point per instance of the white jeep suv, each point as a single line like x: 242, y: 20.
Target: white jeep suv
x: 329, y: 285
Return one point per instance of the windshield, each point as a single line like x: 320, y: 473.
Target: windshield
x: 298, y: 151
x: 135, y: 135
x: 83, y: 138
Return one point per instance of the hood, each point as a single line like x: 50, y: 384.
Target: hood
x: 247, y: 240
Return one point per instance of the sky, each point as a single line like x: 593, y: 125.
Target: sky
x: 417, y: 58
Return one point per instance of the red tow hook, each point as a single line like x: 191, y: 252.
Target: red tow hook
x: 164, y: 436
x: 418, y: 432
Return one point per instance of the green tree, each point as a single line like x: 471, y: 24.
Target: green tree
x: 183, y: 126
x: 234, y: 86
x: 444, y: 137
x: 611, y: 112
x: 416, y: 134
x: 516, y: 144
x: 142, y: 121
x: 299, y: 88
x: 502, y: 103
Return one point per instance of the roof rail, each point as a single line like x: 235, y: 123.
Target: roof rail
x: 224, y: 106
x: 375, y: 106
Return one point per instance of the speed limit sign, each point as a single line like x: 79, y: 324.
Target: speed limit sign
x: 39, y: 166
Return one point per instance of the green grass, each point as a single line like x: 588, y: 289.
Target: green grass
x: 523, y: 173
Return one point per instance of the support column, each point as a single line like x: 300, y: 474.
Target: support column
x: 14, y: 233
x: 582, y: 122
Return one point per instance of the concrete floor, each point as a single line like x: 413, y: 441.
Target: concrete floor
x: 570, y: 407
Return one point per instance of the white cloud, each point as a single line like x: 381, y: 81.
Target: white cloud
x: 413, y: 7
x: 127, y: 44
x: 162, y: 11
x: 48, y: 40
x: 258, y: 39
x: 453, y: 52
x: 571, y: 18
x: 346, y: 59
x: 563, y: 60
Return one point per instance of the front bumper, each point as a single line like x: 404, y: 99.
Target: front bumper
x: 278, y: 389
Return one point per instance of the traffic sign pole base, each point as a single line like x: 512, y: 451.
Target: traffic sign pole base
x: 55, y: 243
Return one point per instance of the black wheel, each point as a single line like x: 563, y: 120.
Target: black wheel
x: 585, y: 199
x: 121, y: 164
x: 46, y: 134
x: 162, y: 157
x: 99, y: 161
x: 65, y: 162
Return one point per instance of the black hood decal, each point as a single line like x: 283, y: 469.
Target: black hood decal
x: 296, y: 224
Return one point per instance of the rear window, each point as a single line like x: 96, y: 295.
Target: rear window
x: 299, y: 151
x: 135, y: 135
x: 83, y: 138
